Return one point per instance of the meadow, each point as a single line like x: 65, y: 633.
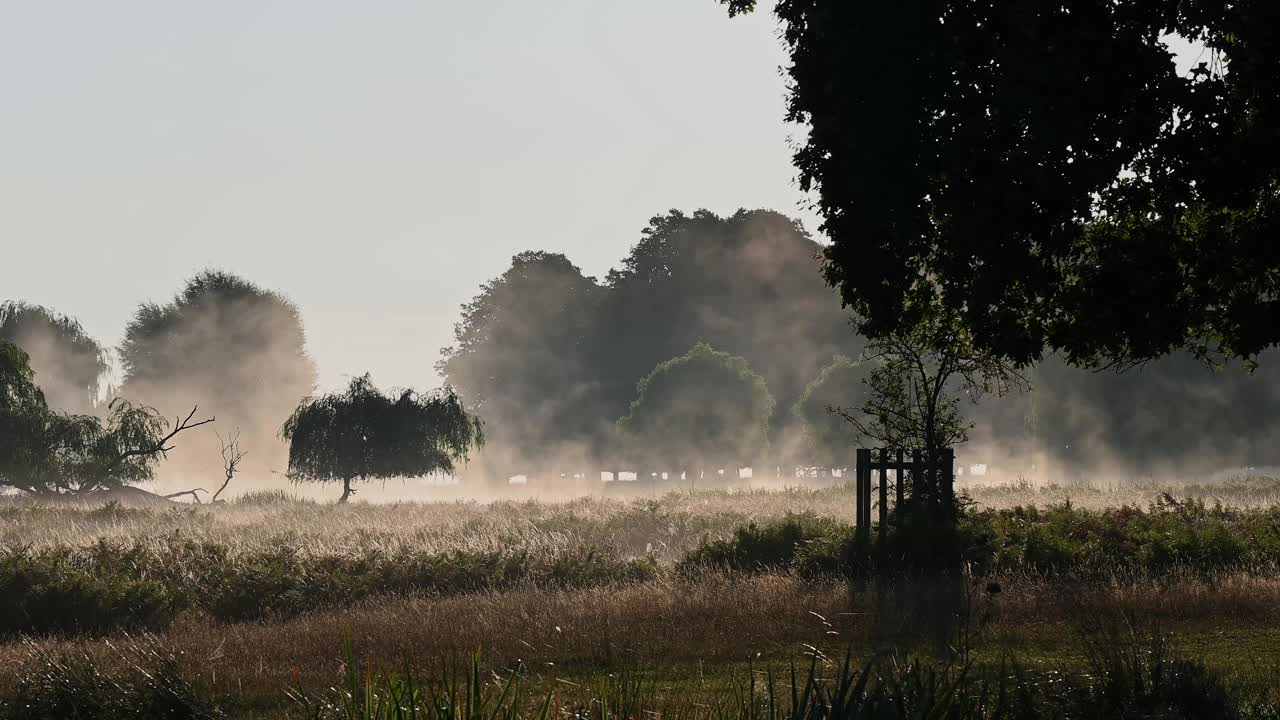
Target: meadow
x: 691, y: 604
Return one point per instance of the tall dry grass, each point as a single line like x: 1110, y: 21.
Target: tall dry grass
x: 676, y: 624
x: 663, y: 527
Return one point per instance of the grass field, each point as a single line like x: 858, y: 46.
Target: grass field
x: 244, y: 603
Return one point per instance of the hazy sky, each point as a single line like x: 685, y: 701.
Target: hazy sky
x: 375, y: 161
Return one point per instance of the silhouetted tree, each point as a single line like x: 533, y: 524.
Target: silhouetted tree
x: 827, y: 436
x: 228, y: 345
x: 518, y: 359
x: 365, y: 434
x: 914, y: 387
x: 703, y: 410
x: 550, y: 356
x: 45, y: 452
x: 71, y: 365
x: 748, y: 284
x: 1041, y: 171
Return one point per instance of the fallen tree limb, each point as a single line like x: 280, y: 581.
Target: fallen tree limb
x: 193, y: 493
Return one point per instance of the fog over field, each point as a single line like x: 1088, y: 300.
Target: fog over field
x: 665, y: 360
x: 550, y: 359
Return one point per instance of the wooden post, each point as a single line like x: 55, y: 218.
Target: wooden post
x: 862, y: 514
x: 902, y: 478
x: 917, y: 476
x: 884, y: 493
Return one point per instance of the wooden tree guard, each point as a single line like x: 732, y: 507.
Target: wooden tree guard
x: 924, y: 470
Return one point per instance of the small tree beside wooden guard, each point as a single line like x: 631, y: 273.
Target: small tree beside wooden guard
x: 929, y: 478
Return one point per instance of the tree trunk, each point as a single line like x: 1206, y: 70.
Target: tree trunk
x: 346, y: 491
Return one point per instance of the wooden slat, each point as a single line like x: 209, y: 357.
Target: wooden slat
x: 884, y: 493
x: 902, y: 477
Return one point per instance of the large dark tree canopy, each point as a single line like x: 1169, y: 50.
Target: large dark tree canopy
x: 1042, y: 169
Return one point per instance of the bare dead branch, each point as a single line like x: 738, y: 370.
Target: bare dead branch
x: 161, y: 446
x: 231, y: 457
x: 192, y: 492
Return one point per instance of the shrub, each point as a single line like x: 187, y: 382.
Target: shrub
x: 1168, y: 536
x: 1062, y: 539
x: 774, y: 546
x: 45, y: 592
x: 108, y: 586
x: 270, y: 498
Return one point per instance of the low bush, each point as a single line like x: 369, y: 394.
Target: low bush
x: 59, y: 591
x: 816, y: 543
x: 115, y: 586
x: 270, y: 498
x: 1168, y: 537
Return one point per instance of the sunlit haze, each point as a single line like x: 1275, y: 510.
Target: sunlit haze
x: 374, y: 161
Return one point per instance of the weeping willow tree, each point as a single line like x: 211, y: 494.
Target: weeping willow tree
x: 71, y: 364
x: 45, y: 452
x: 364, y: 434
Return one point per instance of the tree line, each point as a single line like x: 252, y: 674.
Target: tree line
x: 555, y: 360
x: 713, y: 342
x: 552, y: 358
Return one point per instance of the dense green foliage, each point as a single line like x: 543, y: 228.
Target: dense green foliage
x: 702, y: 409
x: 1170, y: 536
x: 363, y: 433
x: 70, y: 365
x: 807, y: 544
x: 60, y: 591
x: 46, y: 452
x: 989, y: 157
